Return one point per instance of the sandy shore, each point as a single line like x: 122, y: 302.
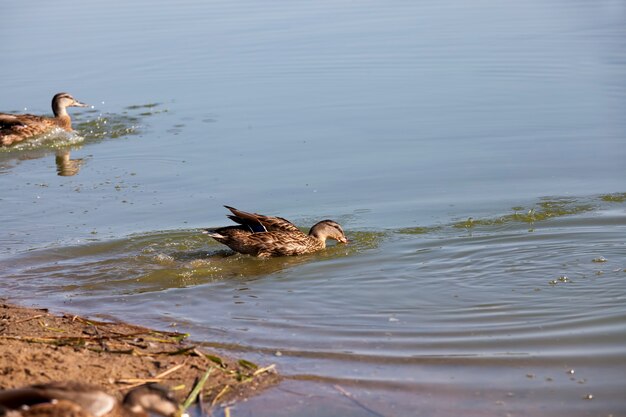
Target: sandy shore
x: 37, y: 346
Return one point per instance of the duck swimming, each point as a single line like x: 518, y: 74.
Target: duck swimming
x: 266, y: 236
x: 73, y: 399
x: 18, y: 127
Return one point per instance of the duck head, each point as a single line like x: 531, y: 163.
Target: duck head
x: 151, y: 398
x: 62, y: 100
x: 328, y: 229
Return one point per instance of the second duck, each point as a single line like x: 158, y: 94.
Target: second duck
x: 18, y: 127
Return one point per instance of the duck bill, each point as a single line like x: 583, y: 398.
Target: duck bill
x: 79, y: 104
x: 343, y: 240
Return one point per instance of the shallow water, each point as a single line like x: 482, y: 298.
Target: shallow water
x: 474, y: 153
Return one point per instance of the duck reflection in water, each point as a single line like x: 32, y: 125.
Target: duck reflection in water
x: 67, y: 167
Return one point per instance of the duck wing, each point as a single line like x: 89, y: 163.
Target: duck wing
x: 266, y: 244
x: 260, y: 223
x: 282, y: 244
x: 17, y: 127
x: 9, y: 120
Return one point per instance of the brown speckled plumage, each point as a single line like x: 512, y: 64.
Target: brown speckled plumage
x: 266, y: 236
x: 81, y: 400
x: 18, y: 127
x: 51, y: 409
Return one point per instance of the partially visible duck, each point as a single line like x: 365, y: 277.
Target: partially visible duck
x: 18, y: 127
x: 54, y: 408
x: 266, y: 236
x: 82, y: 400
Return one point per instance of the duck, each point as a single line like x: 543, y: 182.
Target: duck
x: 265, y: 236
x: 76, y: 399
x: 18, y: 127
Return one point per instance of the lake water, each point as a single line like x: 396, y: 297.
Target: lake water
x: 475, y: 152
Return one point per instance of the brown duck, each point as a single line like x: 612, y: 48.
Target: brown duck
x: 72, y: 399
x: 266, y: 236
x: 18, y: 127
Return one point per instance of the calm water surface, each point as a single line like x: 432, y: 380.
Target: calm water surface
x: 474, y: 153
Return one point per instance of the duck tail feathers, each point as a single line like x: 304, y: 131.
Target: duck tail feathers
x: 212, y: 233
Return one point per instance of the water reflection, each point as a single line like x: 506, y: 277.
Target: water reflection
x: 67, y: 167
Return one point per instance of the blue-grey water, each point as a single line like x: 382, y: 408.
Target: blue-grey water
x: 475, y: 152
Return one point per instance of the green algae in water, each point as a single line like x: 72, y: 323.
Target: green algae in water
x: 614, y: 198
x: 157, y: 261
x: 417, y: 230
x: 560, y: 280
x: 147, y: 109
x: 543, y: 210
x: 142, y: 106
x: 108, y: 126
x: 113, y: 126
